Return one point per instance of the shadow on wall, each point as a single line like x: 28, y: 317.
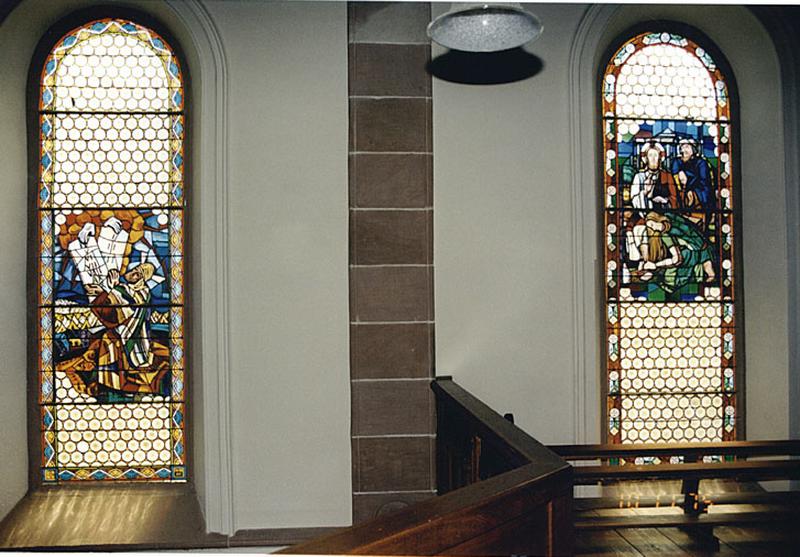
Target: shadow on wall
x: 485, y: 68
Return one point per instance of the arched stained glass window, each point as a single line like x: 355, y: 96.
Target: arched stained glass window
x: 668, y: 234
x: 110, y: 213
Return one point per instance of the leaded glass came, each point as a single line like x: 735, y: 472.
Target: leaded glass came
x: 111, y: 199
x: 668, y: 233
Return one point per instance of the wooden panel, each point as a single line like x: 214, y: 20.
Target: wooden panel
x: 651, y: 542
x: 761, y: 470
x: 448, y: 520
x: 712, y: 519
x: 560, y: 539
x: 526, y: 510
x: 733, y: 448
x: 593, y: 543
x: 367, y: 506
x: 525, y: 535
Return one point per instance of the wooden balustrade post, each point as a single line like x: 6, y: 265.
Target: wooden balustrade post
x: 560, y: 525
x: 692, y: 504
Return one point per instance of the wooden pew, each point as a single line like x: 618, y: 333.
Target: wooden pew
x: 742, y: 461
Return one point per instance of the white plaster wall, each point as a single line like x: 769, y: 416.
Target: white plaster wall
x: 508, y: 316
x: 287, y: 253
x: 288, y: 257
x: 16, y: 52
x: 502, y: 254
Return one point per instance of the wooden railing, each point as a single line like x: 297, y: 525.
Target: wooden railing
x: 501, y: 492
x: 741, y: 461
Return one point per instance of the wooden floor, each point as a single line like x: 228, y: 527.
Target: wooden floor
x: 766, y: 541
x: 770, y: 540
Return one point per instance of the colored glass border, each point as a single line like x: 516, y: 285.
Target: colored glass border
x: 175, y: 470
x: 614, y: 208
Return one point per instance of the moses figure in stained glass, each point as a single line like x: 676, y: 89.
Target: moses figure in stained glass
x: 114, y: 277
x: 111, y: 290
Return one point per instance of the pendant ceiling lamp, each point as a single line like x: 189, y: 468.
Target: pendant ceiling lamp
x: 485, y: 27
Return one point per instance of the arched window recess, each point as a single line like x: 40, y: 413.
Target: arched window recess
x: 109, y: 199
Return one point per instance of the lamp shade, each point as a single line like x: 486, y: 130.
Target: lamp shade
x: 485, y: 28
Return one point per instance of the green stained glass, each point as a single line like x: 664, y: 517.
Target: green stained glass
x: 668, y: 236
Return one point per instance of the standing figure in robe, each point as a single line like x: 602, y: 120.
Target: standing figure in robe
x: 653, y: 187
x: 693, y: 173
x: 124, y: 357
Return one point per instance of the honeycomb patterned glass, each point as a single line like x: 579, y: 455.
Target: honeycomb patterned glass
x: 668, y: 236
x: 110, y: 209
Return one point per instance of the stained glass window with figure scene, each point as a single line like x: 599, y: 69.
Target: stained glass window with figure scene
x: 669, y: 281
x: 110, y: 216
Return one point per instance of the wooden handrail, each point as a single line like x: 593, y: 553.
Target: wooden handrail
x: 691, y: 471
x: 493, y: 428
x: 505, y: 493
x: 759, y: 469
x: 695, y: 450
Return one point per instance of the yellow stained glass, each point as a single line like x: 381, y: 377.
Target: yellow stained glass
x: 111, y: 200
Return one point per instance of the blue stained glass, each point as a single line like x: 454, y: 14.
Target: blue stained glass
x: 668, y: 232
x: 142, y: 235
